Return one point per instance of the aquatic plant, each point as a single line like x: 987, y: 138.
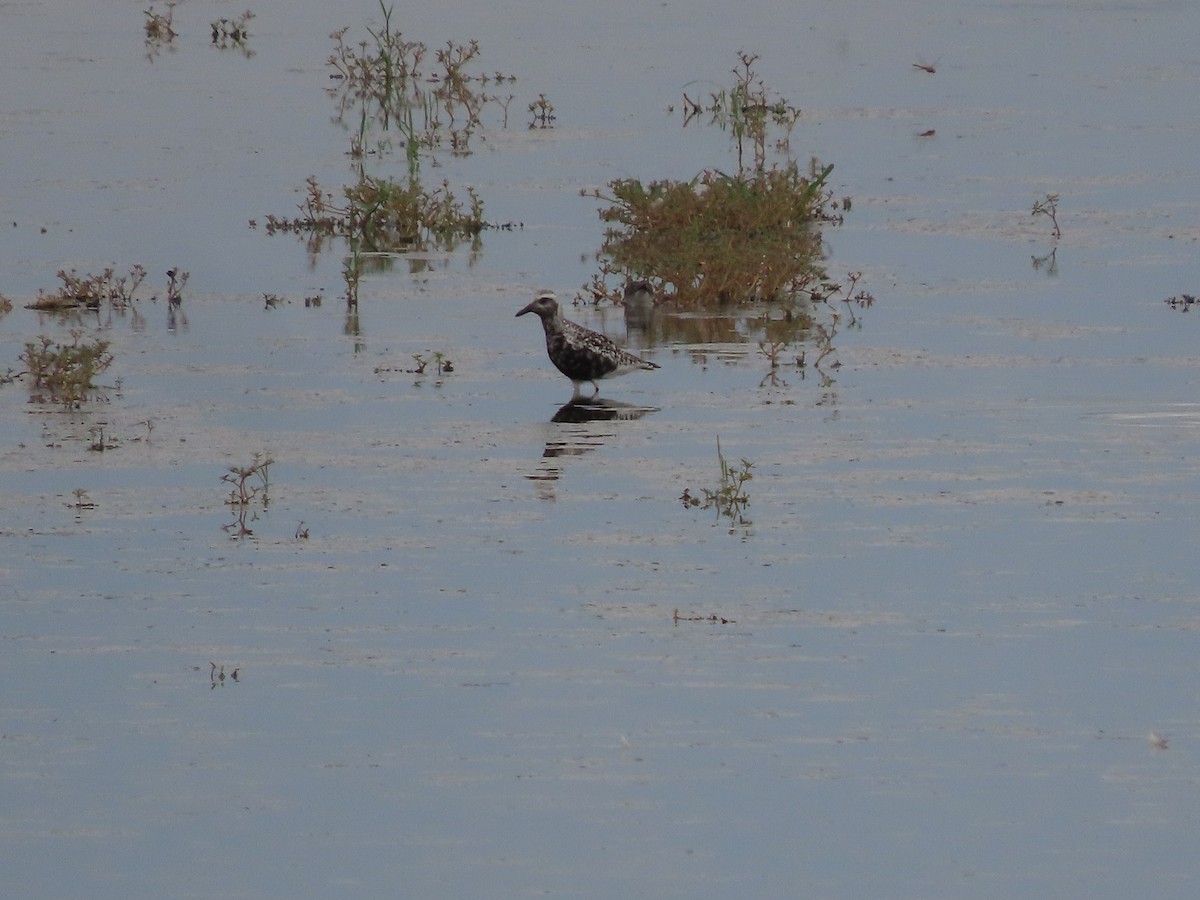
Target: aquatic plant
x: 747, y: 111
x: 751, y: 239
x: 542, y: 111
x: 383, y: 215
x: 176, y: 280
x: 65, y: 372
x: 233, y: 33
x: 729, y: 497
x: 244, y: 492
x: 217, y: 676
x: 720, y: 239
x: 159, y: 28
x: 381, y: 81
x: 91, y: 291
x: 725, y: 239
x: 1048, y: 208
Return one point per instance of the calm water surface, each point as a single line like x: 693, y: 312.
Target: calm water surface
x: 967, y: 597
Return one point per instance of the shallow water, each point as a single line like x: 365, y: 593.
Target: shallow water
x: 967, y: 596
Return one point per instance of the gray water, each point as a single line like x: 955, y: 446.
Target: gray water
x: 966, y: 598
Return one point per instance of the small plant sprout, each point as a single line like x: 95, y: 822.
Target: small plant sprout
x: 216, y: 675
x: 729, y: 497
x: 301, y: 532
x: 82, y: 500
x: 244, y: 492
x: 175, y: 282
x: 542, y: 111
x: 1049, y: 208
x: 159, y: 27
x: 228, y: 33
x: 98, y: 444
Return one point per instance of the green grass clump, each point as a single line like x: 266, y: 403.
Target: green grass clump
x: 726, y: 239
x: 720, y: 239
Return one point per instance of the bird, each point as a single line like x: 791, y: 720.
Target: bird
x: 639, y: 305
x: 583, y: 355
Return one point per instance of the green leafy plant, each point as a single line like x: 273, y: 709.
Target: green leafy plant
x: 65, y: 373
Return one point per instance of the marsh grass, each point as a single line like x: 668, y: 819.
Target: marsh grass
x: 65, y: 373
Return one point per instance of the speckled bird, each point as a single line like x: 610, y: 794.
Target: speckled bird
x: 582, y: 355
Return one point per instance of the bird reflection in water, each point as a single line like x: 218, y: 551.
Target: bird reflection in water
x: 575, y: 433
